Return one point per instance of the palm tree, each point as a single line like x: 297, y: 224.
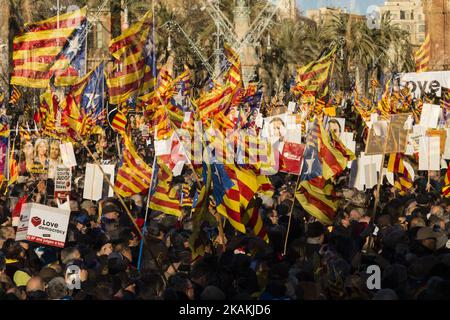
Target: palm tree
x: 394, y: 50
x: 356, y: 46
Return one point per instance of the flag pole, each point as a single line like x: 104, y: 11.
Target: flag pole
x: 141, y: 249
x: 293, y: 201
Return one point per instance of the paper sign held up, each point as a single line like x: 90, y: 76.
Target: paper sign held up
x: 441, y: 134
x: 430, y: 115
x: 43, y: 225
x: 390, y: 137
x: 67, y: 155
x: 291, y: 107
x: 95, y: 185
x: 163, y: 147
x: 429, y: 154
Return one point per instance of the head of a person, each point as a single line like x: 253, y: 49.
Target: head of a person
x: 335, y: 127
x: 151, y: 286
x: 315, y: 233
x: 57, y: 289
x: 54, y: 150
x: 28, y: 150
x: 181, y: 284
x: 13, y: 250
x: 111, y: 212
x: 41, y: 148
x: 278, y: 127
x: 69, y: 255
x: 437, y: 211
x: 427, y: 237
x: 35, y: 283
x: 89, y: 206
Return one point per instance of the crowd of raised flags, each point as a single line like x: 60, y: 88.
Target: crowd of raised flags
x: 49, y: 55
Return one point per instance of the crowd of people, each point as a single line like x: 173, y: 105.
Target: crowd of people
x: 406, y: 237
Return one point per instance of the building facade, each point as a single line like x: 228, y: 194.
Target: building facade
x: 437, y: 16
x: 323, y: 16
x: 409, y: 15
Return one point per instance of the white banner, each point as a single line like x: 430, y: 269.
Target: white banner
x: 425, y: 82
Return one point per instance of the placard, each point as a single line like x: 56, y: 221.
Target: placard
x: 430, y: 115
x: 441, y: 134
x: 425, y: 82
x: 446, y: 154
x: 291, y: 157
x: 388, y: 137
x: 95, y: 185
x: 43, y: 225
x: 67, y: 155
x: 291, y: 107
x: 429, y: 154
x: 63, y: 180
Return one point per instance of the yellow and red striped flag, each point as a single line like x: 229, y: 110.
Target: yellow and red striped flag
x: 252, y: 219
x: 220, y: 98
x: 132, y: 70
x: 186, y: 200
x: 402, y: 177
x: 134, y: 176
x: 233, y: 77
x: 13, y: 168
x: 163, y: 196
x: 16, y: 94
x: 317, y: 197
x: 333, y: 154
x: 423, y: 55
x: 384, y: 106
x: 37, y: 47
x: 313, y: 78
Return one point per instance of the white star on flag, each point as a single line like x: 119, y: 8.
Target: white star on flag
x: 74, y: 46
x: 179, y: 98
x: 92, y: 97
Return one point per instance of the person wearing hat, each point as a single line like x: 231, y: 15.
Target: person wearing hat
x: 427, y: 239
x: 21, y: 278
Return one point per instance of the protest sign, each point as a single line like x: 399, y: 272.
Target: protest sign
x: 67, y: 154
x: 63, y: 182
x: 390, y: 136
x: 425, y: 82
x: 291, y: 157
x: 163, y: 147
x: 441, y: 134
x: 446, y: 154
x: 95, y: 186
x: 429, y: 153
x: 275, y: 128
x: 430, y: 115
x: 43, y: 225
x: 291, y: 107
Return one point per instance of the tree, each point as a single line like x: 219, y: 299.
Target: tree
x: 4, y: 45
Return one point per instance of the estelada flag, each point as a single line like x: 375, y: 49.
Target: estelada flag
x: 291, y: 157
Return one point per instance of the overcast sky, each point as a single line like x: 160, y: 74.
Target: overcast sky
x: 358, y: 6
